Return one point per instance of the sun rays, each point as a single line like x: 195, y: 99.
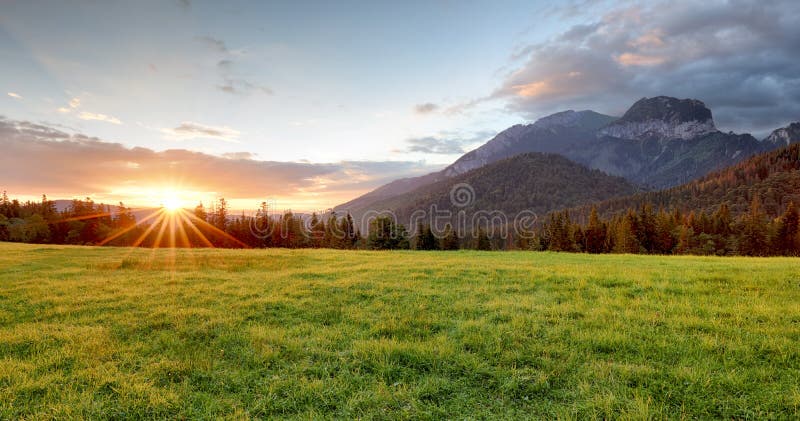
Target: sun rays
x: 171, y: 227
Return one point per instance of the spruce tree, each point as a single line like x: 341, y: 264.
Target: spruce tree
x: 753, y: 237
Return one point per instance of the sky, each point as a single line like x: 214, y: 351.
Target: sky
x: 309, y: 104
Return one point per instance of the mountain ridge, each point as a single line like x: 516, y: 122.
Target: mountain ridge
x: 665, y: 142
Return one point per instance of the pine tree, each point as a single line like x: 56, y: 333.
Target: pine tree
x: 348, y: 231
x: 722, y: 221
x: 221, y: 214
x: 482, y: 241
x: 664, y: 241
x: 425, y: 238
x: 626, y: 240
x: 200, y: 212
x: 595, y: 233
x: 386, y: 234
x: 317, y: 231
x: 685, y: 239
x: 450, y: 240
x: 753, y: 238
x: 787, y: 240
x: 646, y: 228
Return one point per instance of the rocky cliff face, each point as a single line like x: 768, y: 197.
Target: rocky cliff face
x: 784, y: 136
x: 662, y: 118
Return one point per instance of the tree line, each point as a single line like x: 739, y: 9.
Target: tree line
x: 642, y: 230
x: 646, y: 231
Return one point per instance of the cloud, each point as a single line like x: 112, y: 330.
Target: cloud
x: 425, y: 108
x: 433, y: 145
x: 446, y: 143
x: 215, y: 44
x: 243, y: 87
x: 231, y: 82
x: 39, y: 159
x: 85, y: 115
x: 236, y: 85
x: 72, y: 104
x: 15, y: 95
x: 191, y: 130
x: 739, y: 57
x: 239, y: 155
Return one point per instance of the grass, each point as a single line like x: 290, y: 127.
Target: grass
x: 135, y: 333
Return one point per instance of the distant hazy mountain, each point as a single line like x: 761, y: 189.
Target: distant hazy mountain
x: 532, y: 181
x: 658, y: 143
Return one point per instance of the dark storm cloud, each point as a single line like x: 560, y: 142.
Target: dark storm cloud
x: 740, y: 57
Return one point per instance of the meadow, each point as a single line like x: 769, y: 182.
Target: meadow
x: 91, y: 332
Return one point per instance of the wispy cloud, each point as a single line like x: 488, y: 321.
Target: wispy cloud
x: 425, y: 108
x: 233, y: 84
x: 72, y: 104
x: 85, y: 115
x: 191, y: 130
x: 215, y: 44
x: 15, y: 95
x: 239, y: 155
x: 243, y: 87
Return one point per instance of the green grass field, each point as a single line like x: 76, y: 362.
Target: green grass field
x: 137, y: 333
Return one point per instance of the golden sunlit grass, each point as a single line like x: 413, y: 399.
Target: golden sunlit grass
x: 97, y: 333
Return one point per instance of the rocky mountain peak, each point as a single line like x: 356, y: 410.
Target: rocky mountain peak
x: 785, y: 135
x: 664, y: 118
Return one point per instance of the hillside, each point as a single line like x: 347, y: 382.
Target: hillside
x: 533, y: 181
x: 773, y: 176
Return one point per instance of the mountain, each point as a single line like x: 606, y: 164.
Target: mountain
x: 784, y: 136
x: 555, y: 133
x: 392, y: 189
x: 658, y: 143
x: 662, y: 118
x: 662, y: 142
x: 773, y: 176
x: 658, y: 163
x: 535, y: 182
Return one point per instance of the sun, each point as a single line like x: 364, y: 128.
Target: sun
x: 171, y: 203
